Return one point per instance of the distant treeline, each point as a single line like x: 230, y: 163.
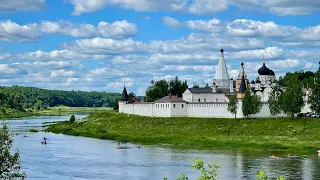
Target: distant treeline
x: 21, y: 98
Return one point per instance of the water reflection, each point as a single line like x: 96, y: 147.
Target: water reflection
x: 69, y: 157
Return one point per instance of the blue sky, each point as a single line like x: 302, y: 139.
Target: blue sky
x: 99, y: 45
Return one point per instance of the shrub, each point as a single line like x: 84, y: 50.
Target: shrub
x: 72, y: 119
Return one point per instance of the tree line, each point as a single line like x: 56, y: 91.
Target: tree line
x: 21, y: 98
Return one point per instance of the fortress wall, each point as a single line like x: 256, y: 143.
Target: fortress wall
x: 217, y: 110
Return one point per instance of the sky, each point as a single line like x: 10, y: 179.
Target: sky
x: 100, y: 45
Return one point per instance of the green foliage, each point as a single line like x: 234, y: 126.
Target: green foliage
x: 177, y: 87
x: 195, y: 86
x: 21, y: 98
x: 251, y: 104
x: 261, y: 175
x: 131, y: 96
x: 9, y: 164
x: 206, y: 174
x: 33, y: 130
x: 163, y: 88
x: 305, y: 78
x: 207, y: 86
x: 291, y: 100
x: 274, y: 101
x: 233, y: 105
x: 72, y: 119
x: 116, y: 104
x: 315, y: 96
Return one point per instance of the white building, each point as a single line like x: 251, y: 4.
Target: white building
x: 207, y: 102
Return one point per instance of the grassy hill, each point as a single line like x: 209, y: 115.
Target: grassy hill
x: 298, y: 134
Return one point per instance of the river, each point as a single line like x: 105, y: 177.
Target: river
x: 69, y: 157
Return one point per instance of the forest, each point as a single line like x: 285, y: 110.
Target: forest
x: 22, y: 98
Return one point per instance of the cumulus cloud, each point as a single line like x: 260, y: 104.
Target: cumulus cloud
x: 105, y: 46
x: 211, y: 25
x: 197, y: 42
x: 22, y: 5
x: 11, y: 31
x: 278, y: 7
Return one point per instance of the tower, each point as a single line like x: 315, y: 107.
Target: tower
x: 221, y: 77
x: 242, y: 89
x: 123, y: 100
x: 242, y: 73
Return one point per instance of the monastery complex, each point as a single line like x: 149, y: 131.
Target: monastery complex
x: 209, y: 102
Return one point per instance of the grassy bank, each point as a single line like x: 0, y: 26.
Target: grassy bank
x: 52, y: 111
x: 298, y: 135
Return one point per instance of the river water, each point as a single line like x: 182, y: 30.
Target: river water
x: 69, y: 157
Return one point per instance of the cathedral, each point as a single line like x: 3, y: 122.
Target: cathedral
x: 208, y: 102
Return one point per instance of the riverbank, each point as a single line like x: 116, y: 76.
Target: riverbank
x: 52, y: 111
x: 292, y: 135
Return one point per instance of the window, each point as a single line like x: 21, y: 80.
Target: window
x: 199, y: 100
x: 174, y: 105
x: 204, y: 100
x: 182, y: 105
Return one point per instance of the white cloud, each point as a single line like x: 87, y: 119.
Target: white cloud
x: 5, y: 69
x: 22, y: 5
x: 211, y: 25
x: 57, y: 55
x: 292, y: 7
x: 84, y: 6
x: 62, y: 73
x: 171, y: 22
x: 11, y: 31
x: 106, y: 46
x: 278, y: 7
x: 197, y: 42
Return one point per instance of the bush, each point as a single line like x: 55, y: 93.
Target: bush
x: 72, y: 119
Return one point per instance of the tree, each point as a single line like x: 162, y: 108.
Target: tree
x: 314, y: 100
x: 9, y: 164
x: 291, y: 99
x: 131, y: 96
x: 207, y: 86
x: 72, y: 119
x: 116, y: 104
x: 195, y: 86
x: 177, y: 87
x: 251, y: 104
x: 233, y: 105
x: 163, y: 88
x: 274, y: 101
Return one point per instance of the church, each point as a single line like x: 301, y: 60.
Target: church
x: 209, y: 102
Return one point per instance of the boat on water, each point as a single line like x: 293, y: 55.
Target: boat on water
x: 274, y: 157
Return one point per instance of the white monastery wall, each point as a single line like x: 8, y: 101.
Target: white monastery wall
x: 208, y: 110
x: 178, y: 109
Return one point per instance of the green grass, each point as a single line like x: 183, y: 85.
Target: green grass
x: 298, y: 134
x: 33, y: 130
x: 52, y: 111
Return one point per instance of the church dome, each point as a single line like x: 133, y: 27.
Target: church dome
x: 271, y: 73
x: 264, y: 70
x: 252, y: 82
x: 152, y: 81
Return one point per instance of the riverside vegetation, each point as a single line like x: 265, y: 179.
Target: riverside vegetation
x: 270, y: 134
